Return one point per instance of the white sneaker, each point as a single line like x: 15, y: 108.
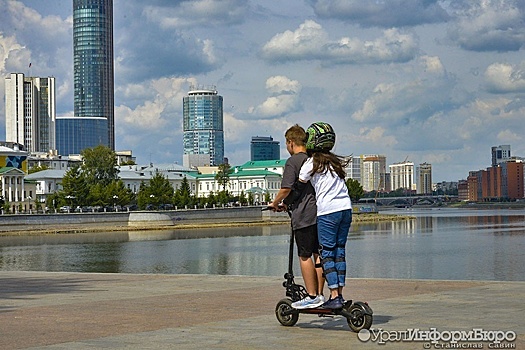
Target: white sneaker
x: 308, y: 303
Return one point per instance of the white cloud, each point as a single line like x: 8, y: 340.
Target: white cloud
x: 504, y: 77
x: 162, y: 100
x: 284, y: 98
x: 432, y: 64
x: 311, y: 42
x: 7, y: 45
x: 389, y: 13
x: 489, y: 25
x: 376, y: 135
x: 198, y: 13
x: 509, y: 136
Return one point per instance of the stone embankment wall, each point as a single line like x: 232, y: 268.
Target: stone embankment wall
x: 140, y: 218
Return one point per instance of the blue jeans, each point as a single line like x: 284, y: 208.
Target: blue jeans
x: 333, y: 230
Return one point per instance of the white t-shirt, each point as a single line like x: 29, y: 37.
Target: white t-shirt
x: 331, y: 192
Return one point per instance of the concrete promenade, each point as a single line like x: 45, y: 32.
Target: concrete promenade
x: 41, y: 310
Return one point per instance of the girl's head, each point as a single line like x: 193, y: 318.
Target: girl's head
x: 320, y: 141
x: 320, y: 137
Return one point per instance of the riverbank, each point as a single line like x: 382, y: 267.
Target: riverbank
x: 71, y: 227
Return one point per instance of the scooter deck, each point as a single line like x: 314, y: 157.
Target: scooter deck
x: 320, y: 311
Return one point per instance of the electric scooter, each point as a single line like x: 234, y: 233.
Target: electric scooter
x: 358, y: 314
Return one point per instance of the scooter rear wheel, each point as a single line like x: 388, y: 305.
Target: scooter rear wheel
x: 285, y: 305
x: 359, y: 320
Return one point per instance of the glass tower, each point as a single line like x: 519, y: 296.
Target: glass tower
x: 93, y: 62
x: 203, y: 128
x: 77, y: 133
x: 264, y: 148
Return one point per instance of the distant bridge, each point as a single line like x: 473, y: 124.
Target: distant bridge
x: 408, y: 201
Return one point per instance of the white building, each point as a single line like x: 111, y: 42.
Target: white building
x: 353, y: 169
x: 256, y: 182
x: 402, y: 176
x: 30, y: 112
x: 373, y: 172
x: 13, y: 189
x: 258, y: 178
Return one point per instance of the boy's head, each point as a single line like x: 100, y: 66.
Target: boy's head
x: 296, y: 134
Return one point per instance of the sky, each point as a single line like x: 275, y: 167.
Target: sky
x: 429, y: 81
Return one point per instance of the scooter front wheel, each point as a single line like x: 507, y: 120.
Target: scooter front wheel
x: 358, y: 319
x: 282, y: 312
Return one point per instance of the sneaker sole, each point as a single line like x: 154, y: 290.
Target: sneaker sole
x: 302, y: 307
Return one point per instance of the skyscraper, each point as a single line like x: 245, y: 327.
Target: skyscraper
x: 402, y: 176
x: 373, y: 172
x: 203, y: 127
x: 93, y: 64
x: 30, y: 112
x: 264, y: 148
x: 424, y: 178
x: 500, y: 154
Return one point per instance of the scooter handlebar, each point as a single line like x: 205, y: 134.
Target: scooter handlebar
x: 279, y: 208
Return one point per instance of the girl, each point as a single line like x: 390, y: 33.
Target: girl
x: 326, y: 173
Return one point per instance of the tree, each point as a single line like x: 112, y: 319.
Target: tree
x: 223, y: 175
x: 267, y: 198
x: 183, y: 194
x: 355, y: 190
x: 118, y: 194
x: 99, y: 165
x: 74, y: 187
x: 157, y: 191
x: 242, y: 198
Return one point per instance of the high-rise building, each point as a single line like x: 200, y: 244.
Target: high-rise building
x: 373, y: 172
x: 30, y: 112
x: 402, y: 176
x: 93, y: 64
x: 353, y: 169
x: 424, y: 178
x: 500, y: 154
x: 264, y: 148
x: 203, y: 128
x: 76, y: 133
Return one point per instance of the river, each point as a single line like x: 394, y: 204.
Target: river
x: 447, y: 244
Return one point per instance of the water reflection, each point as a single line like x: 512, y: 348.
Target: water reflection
x: 438, y: 244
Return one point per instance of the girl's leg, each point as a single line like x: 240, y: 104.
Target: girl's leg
x: 340, y: 249
x: 327, y: 228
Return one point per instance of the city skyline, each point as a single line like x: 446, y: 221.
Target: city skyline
x: 437, y: 82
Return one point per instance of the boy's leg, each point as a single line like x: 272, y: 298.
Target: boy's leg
x: 309, y: 275
x: 306, y: 239
x: 320, y: 274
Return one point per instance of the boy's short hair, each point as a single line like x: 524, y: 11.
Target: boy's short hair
x: 296, y: 134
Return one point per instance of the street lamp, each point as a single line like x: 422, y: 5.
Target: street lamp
x: 115, y: 197
x: 28, y: 198
x: 151, y: 196
x: 70, y: 201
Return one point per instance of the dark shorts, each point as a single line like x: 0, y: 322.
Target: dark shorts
x: 307, y: 241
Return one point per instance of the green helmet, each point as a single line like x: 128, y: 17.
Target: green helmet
x: 320, y: 137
